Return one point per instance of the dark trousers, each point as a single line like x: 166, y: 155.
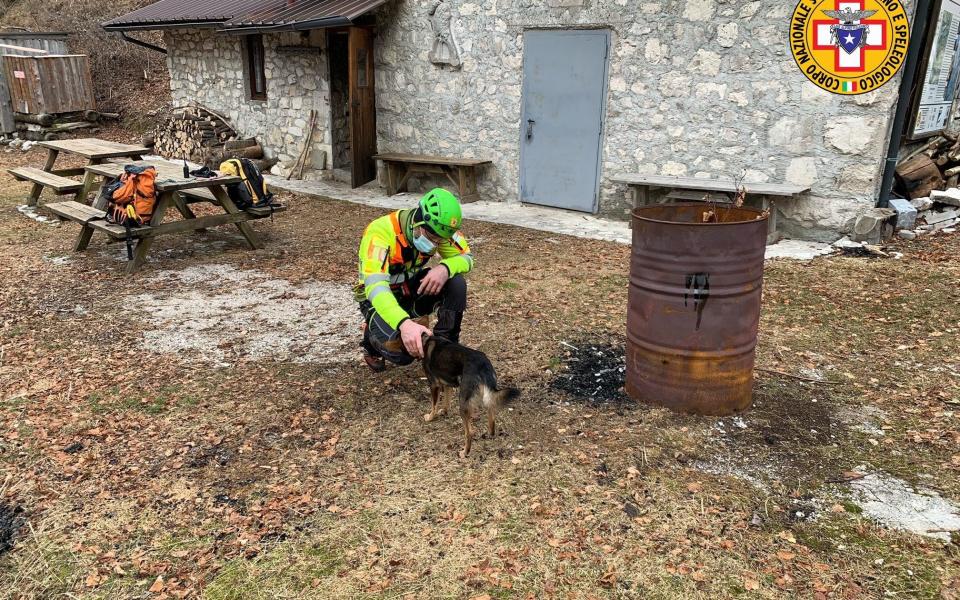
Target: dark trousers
x: 449, y: 305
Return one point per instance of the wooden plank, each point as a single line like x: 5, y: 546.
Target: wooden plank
x: 714, y: 185
x: 75, y: 211
x: 431, y: 160
x: 60, y: 185
x: 23, y: 49
x: 93, y: 148
x: 119, y: 231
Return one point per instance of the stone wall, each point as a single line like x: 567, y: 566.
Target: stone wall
x: 697, y: 87
x: 208, y: 68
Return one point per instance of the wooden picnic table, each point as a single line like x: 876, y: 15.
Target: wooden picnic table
x: 96, y: 151
x: 172, y: 191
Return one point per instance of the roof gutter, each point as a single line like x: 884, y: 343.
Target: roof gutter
x: 142, y: 43
x: 921, y: 16
x: 296, y: 26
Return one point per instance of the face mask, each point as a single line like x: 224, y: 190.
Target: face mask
x: 423, y: 244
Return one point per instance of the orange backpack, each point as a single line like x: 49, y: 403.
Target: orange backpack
x: 133, y: 197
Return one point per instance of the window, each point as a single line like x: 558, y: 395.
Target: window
x: 255, y: 67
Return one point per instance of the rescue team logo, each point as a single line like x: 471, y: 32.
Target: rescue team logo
x: 849, y: 46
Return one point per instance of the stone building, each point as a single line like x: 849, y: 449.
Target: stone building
x: 703, y: 88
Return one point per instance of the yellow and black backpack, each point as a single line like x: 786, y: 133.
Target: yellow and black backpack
x: 252, y: 191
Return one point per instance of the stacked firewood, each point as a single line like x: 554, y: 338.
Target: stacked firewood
x: 192, y: 133
x: 203, y: 136
x: 933, y: 166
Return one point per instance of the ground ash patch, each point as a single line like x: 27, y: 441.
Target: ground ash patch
x: 10, y: 521
x: 592, y: 372
x: 896, y: 504
x: 224, y: 314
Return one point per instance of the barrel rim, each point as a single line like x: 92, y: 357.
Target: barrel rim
x: 636, y: 215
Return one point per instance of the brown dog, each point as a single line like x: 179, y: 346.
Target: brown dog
x: 449, y: 365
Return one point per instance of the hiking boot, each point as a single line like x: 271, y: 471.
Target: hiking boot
x: 371, y: 357
x: 376, y: 363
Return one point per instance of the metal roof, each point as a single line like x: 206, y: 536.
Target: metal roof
x: 244, y: 15
x: 276, y: 15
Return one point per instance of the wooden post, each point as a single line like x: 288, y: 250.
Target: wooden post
x: 468, y: 184
x: 48, y: 167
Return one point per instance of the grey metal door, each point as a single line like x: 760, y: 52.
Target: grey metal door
x: 564, y: 91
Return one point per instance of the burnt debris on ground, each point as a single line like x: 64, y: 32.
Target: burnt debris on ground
x: 592, y: 372
x: 11, y: 518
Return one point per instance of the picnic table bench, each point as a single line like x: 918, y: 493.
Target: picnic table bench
x: 701, y: 189
x: 172, y: 191
x: 462, y: 172
x: 96, y: 151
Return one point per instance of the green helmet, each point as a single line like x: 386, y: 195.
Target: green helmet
x: 440, y: 212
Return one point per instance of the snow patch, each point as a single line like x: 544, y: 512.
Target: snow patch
x: 226, y: 314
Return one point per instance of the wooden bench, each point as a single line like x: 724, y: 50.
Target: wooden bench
x: 462, y: 172
x: 57, y: 184
x: 700, y: 189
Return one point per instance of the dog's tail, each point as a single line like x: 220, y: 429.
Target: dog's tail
x: 505, y: 396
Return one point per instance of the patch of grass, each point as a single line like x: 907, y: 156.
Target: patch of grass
x: 8, y: 333
x: 508, y: 285
x: 899, y: 568
x: 15, y: 403
x: 283, y: 572
x: 323, y: 560
x: 851, y: 507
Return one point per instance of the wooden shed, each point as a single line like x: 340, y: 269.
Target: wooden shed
x: 50, y: 84
x: 23, y: 43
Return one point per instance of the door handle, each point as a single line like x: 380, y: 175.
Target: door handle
x: 530, y: 123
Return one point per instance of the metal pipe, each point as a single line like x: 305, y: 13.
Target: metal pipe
x: 920, y: 19
x: 142, y: 43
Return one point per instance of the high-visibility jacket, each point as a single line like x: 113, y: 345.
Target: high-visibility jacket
x: 388, y: 260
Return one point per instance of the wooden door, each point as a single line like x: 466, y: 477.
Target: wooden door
x: 363, y: 114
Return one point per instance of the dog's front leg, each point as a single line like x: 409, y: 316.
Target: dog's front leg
x: 435, y: 392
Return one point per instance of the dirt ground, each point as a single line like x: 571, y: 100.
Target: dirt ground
x: 204, y: 428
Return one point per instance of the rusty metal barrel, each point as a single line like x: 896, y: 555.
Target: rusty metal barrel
x: 694, y: 306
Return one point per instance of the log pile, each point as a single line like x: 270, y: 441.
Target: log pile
x: 203, y: 136
x: 933, y: 166
x: 47, y: 127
